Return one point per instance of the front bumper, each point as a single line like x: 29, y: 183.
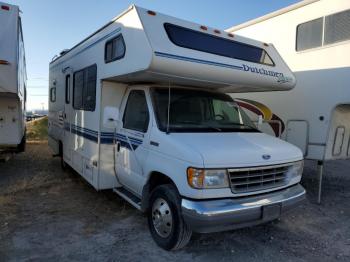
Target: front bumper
x: 226, y: 214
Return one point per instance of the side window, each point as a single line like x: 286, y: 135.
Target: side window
x: 337, y: 27
x: 53, y: 94
x: 136, y: 115
x: 84, y: 89
x: 78, y: 87
x: 114, y: 49
x: 309, y: 34
x: 67, y: 96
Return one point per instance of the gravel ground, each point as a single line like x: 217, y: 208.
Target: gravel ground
x: 48, y: 214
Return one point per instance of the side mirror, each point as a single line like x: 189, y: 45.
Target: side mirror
x: 111, y: 117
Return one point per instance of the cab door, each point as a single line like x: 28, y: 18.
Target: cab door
x: 132, y: 140
x: 67, y: 117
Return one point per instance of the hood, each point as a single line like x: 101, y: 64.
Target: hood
x: 239, y: 149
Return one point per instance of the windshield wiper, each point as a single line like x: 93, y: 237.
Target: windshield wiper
x: 201, y: 125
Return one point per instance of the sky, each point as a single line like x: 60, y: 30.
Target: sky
x: 49, y: 26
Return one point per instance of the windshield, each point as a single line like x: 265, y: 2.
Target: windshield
x: 199, y: 111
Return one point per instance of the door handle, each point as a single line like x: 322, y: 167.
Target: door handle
x: 118, y: 146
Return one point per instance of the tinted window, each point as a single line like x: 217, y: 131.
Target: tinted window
x: 84, y: 89
x: 136, y: 116
x: 114, y: 49
x: 199, y: 41
x: 337, y: 27
x: 309, y: 34
x: 78, y: 90
x: 198, y: 111
x: 67, y: 89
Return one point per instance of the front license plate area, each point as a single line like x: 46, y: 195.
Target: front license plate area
x: 271, y: 212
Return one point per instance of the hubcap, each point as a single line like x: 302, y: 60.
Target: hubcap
x: 162, y: 218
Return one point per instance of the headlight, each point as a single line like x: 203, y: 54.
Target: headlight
x: 207, y: 178
x: 295, y: 170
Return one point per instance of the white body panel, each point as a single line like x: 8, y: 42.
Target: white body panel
x: 88, y: 144
x: 321, y: 96
x: 12, y: 79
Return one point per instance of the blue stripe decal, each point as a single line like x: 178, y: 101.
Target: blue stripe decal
x: 105, y: 137
x: 195, y: 60
x: 89, y: 46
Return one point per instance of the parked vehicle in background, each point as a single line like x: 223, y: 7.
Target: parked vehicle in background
x: 313, y: 36
x: 12, y: 81
x: 140, y: 107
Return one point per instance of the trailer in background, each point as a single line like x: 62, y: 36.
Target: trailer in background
x: 12, y: 81
x: 313, y: 37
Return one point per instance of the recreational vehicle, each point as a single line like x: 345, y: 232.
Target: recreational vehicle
x: 140, y: 107
x: 12, y: 82
x: 313, y: 36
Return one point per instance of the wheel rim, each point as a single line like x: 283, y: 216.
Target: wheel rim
x: 162, y: 218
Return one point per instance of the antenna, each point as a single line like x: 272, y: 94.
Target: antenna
x: 169, y: 98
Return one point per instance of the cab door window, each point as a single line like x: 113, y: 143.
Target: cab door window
x: 136, y: 115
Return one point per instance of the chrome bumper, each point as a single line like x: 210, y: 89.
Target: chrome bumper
x: 225, y: 214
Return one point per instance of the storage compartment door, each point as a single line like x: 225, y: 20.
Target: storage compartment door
x: 297, y: 134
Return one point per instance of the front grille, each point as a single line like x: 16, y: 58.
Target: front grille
x: 247, y: 180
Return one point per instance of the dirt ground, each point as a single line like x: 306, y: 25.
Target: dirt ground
x: 47, y: 214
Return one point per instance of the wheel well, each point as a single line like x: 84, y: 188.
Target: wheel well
x: 155, y: 179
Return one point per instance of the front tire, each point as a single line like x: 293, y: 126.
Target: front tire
x: 165, y: 221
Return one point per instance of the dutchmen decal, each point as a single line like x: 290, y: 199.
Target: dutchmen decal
x: 280, y: 76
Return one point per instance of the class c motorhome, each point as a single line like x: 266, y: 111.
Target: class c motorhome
x: 313, y: 36
x: 12, y: 81
x: 140, y: 107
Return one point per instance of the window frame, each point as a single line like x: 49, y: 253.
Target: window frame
x: 323, y: 45
x: 148, y: 111
x: 166, y: 25
x: 84, y: 86
x: 296, y: 34
x: 111, y: 41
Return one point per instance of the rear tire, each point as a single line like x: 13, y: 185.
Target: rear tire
x: 165, y: 221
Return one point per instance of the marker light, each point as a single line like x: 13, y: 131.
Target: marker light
x: 217, y: 31
x: 266, y: 44
x: 151, y: 12
x: 230, y: 35
x: 5, y: 7
x: 203, y: 27
x: 4, y: 62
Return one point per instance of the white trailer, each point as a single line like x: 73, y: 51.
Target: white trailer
x: 140, y: 107
x: 313, y: 36
x: 12, y: 81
